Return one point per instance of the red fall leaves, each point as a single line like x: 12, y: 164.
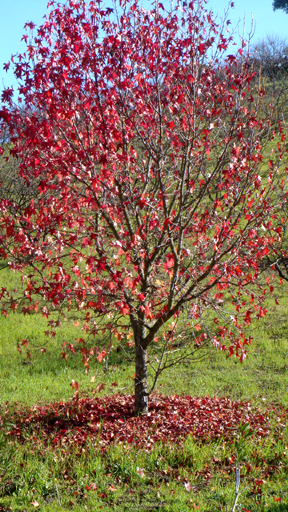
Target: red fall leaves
x: 111, y: 419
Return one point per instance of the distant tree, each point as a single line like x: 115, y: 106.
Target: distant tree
x: 271, y: 54
x: 280, y: 4
x: 269, y: 58
x: 147, y: 156
x: 15, y: 190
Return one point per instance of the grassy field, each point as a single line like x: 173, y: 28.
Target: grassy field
x: 190, y: 475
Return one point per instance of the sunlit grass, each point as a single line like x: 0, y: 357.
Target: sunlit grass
x: 172, y: 478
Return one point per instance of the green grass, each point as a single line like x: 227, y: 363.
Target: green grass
x: 47, y: 377
x: 118, y: 479
x: 80, y: 479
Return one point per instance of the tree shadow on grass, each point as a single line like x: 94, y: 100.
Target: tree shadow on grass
x: 278, y: 507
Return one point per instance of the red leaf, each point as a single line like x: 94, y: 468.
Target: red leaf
x: 202, y: 48
x: 167, y: 223
x: 100, y: 387
x: 140, y: 472
x: 92, y: 487
x: 188, y: 486
x: 101, y: 355
x: 75, y: 385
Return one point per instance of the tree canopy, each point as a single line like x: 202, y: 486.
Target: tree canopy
x: 146, y: 153
x: 280, y: 4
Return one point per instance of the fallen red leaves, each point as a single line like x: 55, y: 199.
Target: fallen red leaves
x: 109, y: 419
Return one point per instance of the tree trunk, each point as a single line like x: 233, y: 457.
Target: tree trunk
x: 141, y: 386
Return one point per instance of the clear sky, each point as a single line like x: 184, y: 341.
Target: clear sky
x: 15, y: 13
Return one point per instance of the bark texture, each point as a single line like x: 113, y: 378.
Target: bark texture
x: 141, y: 386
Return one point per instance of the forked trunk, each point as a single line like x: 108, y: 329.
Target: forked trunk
x: 141, y: 386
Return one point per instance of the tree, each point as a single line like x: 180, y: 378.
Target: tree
x: 280, y: 4
x: 146, y: 151
x: 271, y: 54
x: 269, y: 58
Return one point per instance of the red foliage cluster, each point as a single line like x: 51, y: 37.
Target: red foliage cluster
x: 109, y: 419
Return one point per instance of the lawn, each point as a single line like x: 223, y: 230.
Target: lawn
x: 64, y: 451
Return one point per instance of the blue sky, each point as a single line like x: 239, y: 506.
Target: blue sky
x: 15, y: 13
